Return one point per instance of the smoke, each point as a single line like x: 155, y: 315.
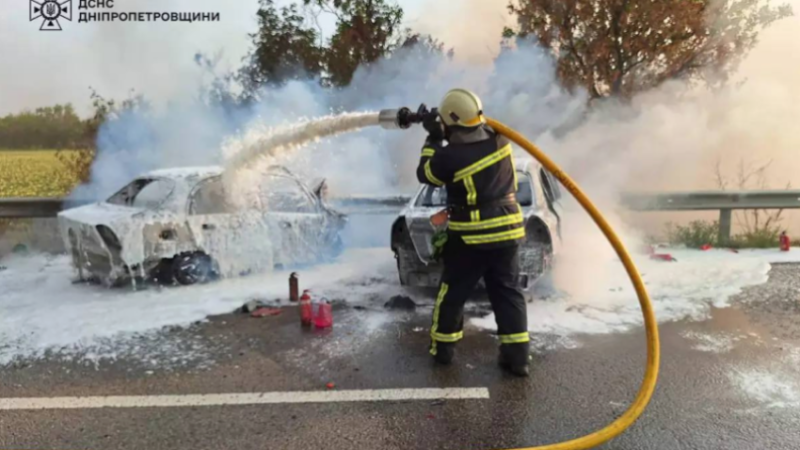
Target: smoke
x: 668, y: 139
x: 42, y: 68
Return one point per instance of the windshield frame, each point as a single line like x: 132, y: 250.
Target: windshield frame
x: 149, y: 179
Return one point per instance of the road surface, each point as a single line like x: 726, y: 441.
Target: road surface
x: 728, y: 382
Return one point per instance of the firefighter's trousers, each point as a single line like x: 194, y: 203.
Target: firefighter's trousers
x: 463, y: 268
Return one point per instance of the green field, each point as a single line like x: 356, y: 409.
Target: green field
x: 34, y: 173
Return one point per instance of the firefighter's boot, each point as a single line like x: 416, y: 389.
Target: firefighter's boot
x: 514, y: 359
x: 444, y: 353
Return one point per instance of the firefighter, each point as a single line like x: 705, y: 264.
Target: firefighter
x: 484, y: 229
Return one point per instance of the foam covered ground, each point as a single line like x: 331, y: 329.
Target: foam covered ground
x: 42, y: 311
x: 686, y: 288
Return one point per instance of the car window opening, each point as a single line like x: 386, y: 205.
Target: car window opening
x: 146, y: 193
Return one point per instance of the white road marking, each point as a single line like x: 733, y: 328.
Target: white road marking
x: 257, y: 398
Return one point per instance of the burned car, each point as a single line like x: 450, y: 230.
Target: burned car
x: 178, y: 225
x: 538, y: 193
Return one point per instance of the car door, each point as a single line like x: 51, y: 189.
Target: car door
x: 296, y: 219
x: 552, y: 194
x: 237, y: 240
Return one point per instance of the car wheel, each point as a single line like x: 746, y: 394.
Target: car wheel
x: 192, y: 268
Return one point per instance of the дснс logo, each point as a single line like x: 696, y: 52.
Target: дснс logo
x: 50, y: 11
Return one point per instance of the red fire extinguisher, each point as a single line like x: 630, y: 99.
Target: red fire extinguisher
x: 324, y: 314
x: 293, y: 287
x: 785, y: 242
x: 305, y: 308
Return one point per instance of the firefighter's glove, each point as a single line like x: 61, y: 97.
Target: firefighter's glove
x: 438, y: 241
x: 434, y: 127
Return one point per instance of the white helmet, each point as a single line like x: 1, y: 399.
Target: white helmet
x: 461, y: 108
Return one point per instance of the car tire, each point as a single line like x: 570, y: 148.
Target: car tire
x: 192, y: 268
x: 533, y: 257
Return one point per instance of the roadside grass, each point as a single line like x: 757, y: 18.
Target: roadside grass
x: 699, y: 232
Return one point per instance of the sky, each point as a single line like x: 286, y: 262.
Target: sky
x: 42, y: 68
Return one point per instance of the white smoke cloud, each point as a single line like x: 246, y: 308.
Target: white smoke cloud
x: 43, y: 68
x: 667, y: 139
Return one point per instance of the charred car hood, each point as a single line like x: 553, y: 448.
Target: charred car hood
x: 100, y: 214
x: 125, y: 222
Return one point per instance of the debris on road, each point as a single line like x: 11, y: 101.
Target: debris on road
x: 330, y: 385
x: 253, y: 305
x: 401, y: 302
x: 663, y: 257
x: 263, y: 312
x: 438, y: 402
x: 417, y: 329
x: 651, y: 251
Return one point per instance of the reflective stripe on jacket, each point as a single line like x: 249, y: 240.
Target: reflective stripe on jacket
x: 481, y: 183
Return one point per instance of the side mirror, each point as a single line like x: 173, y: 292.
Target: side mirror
x: 321, y: 189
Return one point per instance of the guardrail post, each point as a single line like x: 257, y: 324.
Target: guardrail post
x: 724, y: 226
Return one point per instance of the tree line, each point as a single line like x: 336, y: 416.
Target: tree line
x: 609, y: 48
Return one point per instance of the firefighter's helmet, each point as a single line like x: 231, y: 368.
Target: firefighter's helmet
x: 461, y: 108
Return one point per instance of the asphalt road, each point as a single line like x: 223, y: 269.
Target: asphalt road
x: 724, y: 383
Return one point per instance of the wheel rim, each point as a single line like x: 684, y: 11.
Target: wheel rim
x: 192, y: 269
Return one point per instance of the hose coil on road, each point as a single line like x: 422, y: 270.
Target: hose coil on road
x: 648, y: 385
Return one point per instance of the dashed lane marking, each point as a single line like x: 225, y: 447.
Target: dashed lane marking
x: 256, y: 398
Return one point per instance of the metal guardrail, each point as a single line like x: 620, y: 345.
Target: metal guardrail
x: 32, y: 207
x: 723, y: 201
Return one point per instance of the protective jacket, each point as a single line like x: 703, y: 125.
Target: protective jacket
x: 481, y: 183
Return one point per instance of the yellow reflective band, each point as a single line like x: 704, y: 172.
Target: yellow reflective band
x: 475, y: 215
x: 454, y: 337
x: 429, y: 152
x: 518, y: 233
x: 474, y: 121
x: 511, y: 219
x: 472, y: 194
x: 472, y: 169
x: 430, y: 176
x: 439, y: 300
x: 519, y: 338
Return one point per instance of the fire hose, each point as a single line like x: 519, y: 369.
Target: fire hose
x: 403, y: 118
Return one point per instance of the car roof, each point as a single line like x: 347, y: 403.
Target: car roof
x: 185, y: 172
x: 525, y: 162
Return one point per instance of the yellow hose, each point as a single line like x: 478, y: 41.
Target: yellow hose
x: 627, y: 419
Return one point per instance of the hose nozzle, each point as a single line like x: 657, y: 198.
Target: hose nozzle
x: 403, y: 118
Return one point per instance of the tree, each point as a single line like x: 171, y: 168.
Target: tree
x: 284, y: 49
x: 51, y: 127
x: 620, y: 47
x: 366, y: 30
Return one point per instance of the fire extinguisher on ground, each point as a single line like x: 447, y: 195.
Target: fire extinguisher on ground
x: 306, y: 308
x: 324, y: 314
x: 785, y: 242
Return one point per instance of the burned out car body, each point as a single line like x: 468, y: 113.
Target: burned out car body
x: 179, y: 225
x: 538, y: 194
